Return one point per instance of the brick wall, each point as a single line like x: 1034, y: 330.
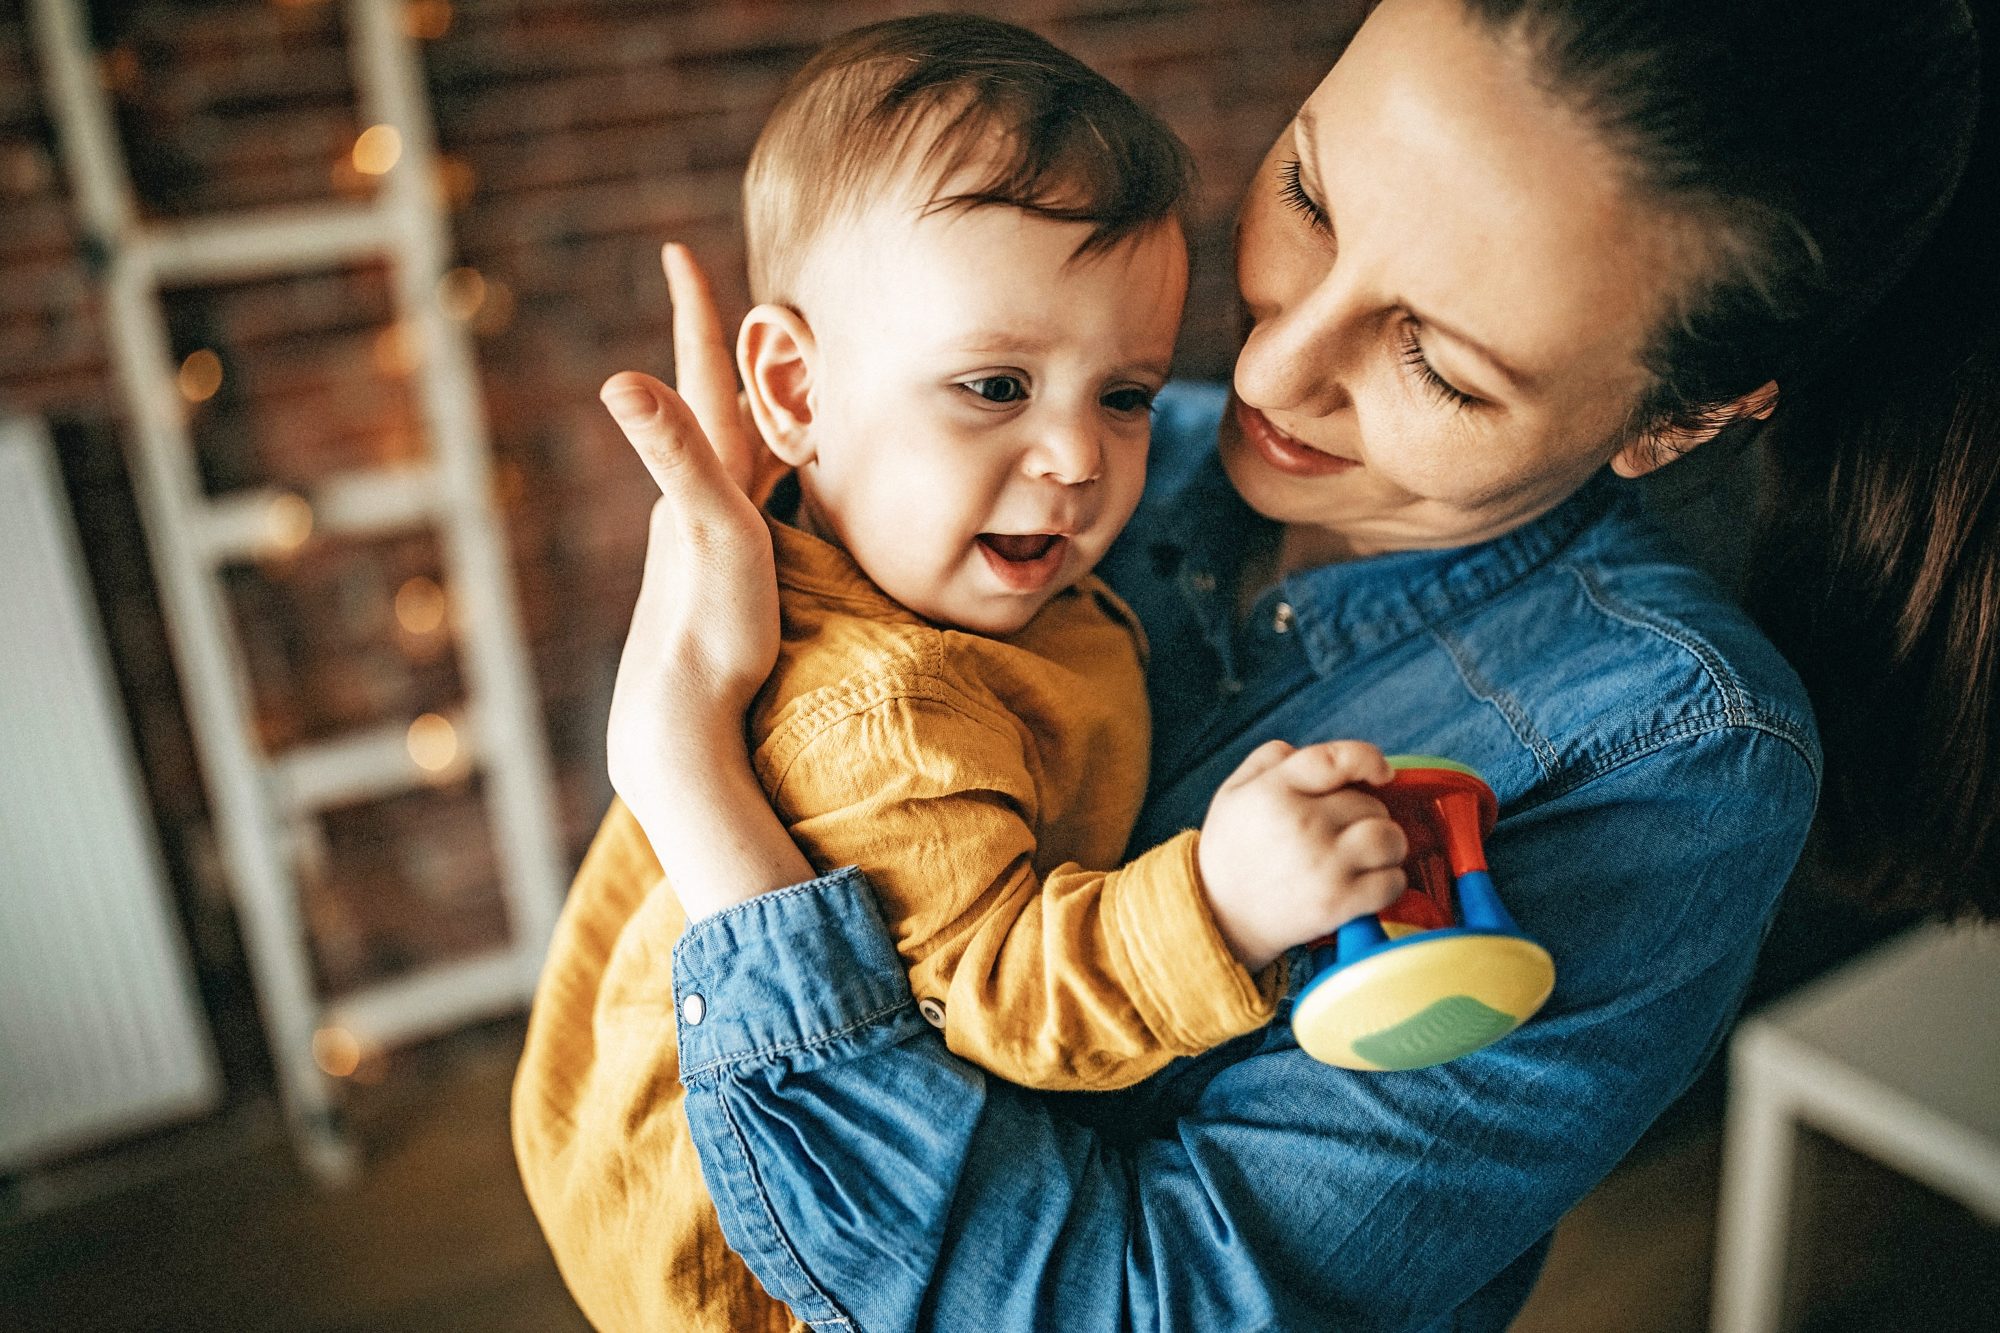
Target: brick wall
x: 578, y: 135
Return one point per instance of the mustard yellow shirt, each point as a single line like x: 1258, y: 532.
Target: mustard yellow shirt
x: 987, y: 788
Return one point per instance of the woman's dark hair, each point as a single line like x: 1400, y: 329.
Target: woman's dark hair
x: 1838, y: 161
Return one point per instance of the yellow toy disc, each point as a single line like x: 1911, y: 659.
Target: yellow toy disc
x: 1424, y: 1002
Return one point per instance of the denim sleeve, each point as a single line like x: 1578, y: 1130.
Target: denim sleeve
x: 873, y: 1181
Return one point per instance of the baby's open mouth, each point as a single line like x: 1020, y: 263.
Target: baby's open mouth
x: 1019, y: 548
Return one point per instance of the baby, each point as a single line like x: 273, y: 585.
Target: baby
x: 969, y: 260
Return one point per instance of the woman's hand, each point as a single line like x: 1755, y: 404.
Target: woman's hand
x: 705, y: 630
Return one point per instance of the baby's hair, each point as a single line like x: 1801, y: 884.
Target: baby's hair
x: 992, y: 111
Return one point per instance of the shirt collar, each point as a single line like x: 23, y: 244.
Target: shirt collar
x: 1356, y: 606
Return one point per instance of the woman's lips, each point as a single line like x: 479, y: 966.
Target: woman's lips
x: 1292, y: 457
x: 1024, y: 562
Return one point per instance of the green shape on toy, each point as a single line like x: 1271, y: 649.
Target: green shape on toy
x: 1442, y: 1030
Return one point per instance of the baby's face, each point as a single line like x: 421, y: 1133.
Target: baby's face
x: 980, y: 402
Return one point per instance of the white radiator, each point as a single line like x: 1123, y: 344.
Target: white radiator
x: 100, y: 1030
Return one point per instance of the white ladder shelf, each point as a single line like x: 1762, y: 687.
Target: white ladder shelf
x: 263, y: 801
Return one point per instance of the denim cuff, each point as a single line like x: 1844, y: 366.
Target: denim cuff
x: 788, y: 973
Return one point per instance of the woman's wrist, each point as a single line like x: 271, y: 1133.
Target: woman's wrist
x: 712, y: 826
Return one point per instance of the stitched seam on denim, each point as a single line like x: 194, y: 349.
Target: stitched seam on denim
x: 1726, y: 682
x: 771, y: 1217
x: 690, y: 1074
x: 1505, y: 704
x: 1651, y: 742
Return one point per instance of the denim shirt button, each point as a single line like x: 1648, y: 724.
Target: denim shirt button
x: 932, y: 1011
x: 693, y: 1010
x: 1281, y: 618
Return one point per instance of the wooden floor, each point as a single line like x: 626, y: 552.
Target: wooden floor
x: 437, y: 1237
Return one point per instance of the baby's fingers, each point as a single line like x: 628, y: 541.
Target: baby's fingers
x: 1375, y: 843
x: 1316, y: 770
x: 1257, y: 763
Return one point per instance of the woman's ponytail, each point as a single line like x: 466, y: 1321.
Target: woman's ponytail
x: 1879, y: 575
x: 1838, y: 156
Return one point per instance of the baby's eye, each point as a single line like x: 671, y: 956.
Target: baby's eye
x: 998, y: 388
x: 1131, y: 399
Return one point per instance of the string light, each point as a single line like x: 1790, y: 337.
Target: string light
x: 200, y: 375
x: 432, y: 742
x: 288, y: 522
x: 496, y: 312
x: 427, y: 20
x: 420, y: 606
x: 461, y: 292
x: 454, y: 181
x: 336, y: 1051
x: 377, y: 150
x: 399, y: 349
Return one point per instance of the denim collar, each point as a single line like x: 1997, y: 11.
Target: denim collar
x: 1357, y: 606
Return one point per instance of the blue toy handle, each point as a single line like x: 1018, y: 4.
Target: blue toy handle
x: 1479, y: 905
x: 1479, y: 909
x: 1357, y: 938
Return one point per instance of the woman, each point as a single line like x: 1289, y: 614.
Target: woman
x: 1506, y: 245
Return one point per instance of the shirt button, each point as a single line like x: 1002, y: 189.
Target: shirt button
x: 693, y: 1010
x: 932, y: 1011
x: 1282, y: 618
x: 1202, y: 582
x: 1230, y: 687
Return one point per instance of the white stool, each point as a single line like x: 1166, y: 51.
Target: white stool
x: 1896, y: 1055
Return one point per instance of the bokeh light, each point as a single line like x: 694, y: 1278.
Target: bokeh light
x: 427, y: 20
x: 200, y: 375
x: 336, y: 1051
x: 377, y: 150
x: 399, y: 349
x: 432, y: 742
x: 287, y: 524
x: 420, y: 606
x: 461, y: 292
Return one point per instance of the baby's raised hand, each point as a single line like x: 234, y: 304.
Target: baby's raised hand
x: 1294, y: 846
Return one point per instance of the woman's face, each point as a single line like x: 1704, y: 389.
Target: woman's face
x: 1446, y: 290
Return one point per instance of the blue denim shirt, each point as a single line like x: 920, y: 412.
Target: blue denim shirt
x: 1656, y: 765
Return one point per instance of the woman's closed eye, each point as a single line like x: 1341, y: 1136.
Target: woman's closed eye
x: 1293, y: 190
x: 1413, y: 358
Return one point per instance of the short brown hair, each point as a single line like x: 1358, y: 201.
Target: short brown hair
x: 940, y: 95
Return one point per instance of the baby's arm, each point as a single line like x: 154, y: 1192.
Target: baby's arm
x: 1077, y: 979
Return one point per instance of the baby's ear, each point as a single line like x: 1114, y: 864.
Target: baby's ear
x: 776, y: 355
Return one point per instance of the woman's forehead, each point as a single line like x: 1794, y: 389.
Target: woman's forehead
x: 1479, y: 200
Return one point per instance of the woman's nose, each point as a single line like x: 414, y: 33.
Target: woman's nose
x: 1298, y: 354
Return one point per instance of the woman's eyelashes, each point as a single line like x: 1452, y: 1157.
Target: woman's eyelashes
x: 1412, y: 357
x: 1293, y: 191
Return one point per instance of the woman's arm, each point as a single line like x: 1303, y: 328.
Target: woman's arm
x: 705, y: 629
x: 864, y: 1173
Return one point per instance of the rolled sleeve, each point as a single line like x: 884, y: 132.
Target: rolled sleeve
x: 1191, y: 986
x: 788, y: 973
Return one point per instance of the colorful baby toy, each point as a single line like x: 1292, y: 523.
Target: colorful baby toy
x: 1426, y: 981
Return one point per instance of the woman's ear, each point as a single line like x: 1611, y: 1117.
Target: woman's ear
x: 777, y: 357
x: 1657, y: 448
